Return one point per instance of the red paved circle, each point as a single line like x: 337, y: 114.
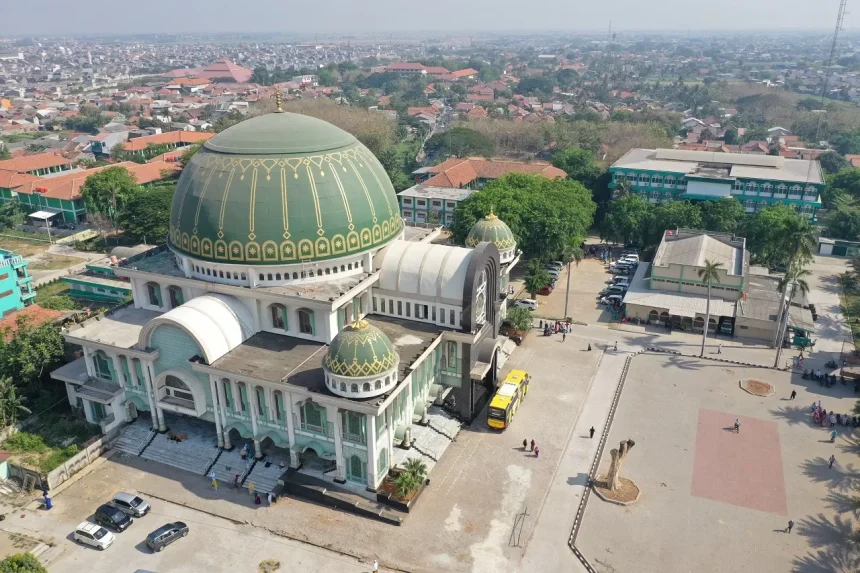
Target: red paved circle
x: 742, y: 469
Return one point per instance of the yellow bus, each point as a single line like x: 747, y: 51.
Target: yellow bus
x: 507, y: 399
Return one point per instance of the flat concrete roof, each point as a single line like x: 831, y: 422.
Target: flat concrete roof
x: 675, y: 303
x: 416, y: 234
x: 121, y: 328
x: 101, y: 280
x: 432, y: 192
x: 410, y: 338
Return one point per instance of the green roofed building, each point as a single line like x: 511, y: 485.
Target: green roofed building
x: 292, y: 311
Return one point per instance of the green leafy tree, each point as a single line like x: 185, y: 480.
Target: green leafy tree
x: 579, y: 165
x: 725, y: 215
x: 4, y: 152
x: 10, y: 215
x: 731, y: 136
x: 189, y: 152
x: 520, y: 318
x: 670, y: 215
x: 261, y: 76
x: 145, y: 213
x: 21, y: 563
x: 710, y: 273
x: 767, y: 234
x: 106, y: 191
x: 793, y: 282
x: 544, y: 214
x: 536, y: 278
x: 460, y: 142
x: 843, y: 222
x: 26, y: 356
x: 627, y: 219
x: 417, y: 468
x: 846, y: 143
x: 11, y: 403
x: 406, y: 484
x: 832, y: 163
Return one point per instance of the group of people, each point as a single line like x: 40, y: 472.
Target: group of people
x: 534, y: 448
x: 558, y: 327
x: 825, y: 419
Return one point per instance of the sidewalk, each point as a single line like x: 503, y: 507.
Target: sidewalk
x: 547, y: 548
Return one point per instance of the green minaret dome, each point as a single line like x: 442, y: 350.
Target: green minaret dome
x: 359, y: 350
x: 282, y: 188
x: 491, y: 229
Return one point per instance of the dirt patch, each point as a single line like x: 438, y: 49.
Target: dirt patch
x: 627, y: 492
x: 23, y: 247
x: 757, y: 387
x: 49, y: 262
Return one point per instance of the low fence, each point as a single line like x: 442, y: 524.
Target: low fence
x: 91, y: 451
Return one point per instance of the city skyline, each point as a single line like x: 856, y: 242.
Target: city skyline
x: 388, y: 16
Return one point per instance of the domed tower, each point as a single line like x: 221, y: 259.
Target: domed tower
x: 281, y: 199
x: 491, y: 229
x: 361, y: 362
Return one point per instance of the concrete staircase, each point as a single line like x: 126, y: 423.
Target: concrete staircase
x: 194, y: 453
x: 443, y: 422
x: 135, y: 437
x: 228, y: 465
x: 265, y: 479
x: 399, y: 457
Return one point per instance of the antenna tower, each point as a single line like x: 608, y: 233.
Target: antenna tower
x: 839, y: 19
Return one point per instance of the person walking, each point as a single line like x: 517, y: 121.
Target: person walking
x: 790, y: 525
x: 214, y: 480
x: 251, y: 488
x: 833, y: 435
x: 616, y: 345
x: 737, y: 426
x: 589, y: 347
x: 563, y: 336
x: 591, y: 432
x: 832, y: 461
x: 720, y: 348
x: 375, y: 566
x: 525, y: 445
x: 269, y: 498
x: 533, y: 445
x: 257, y: 500
x: 537, y: 452
x: 793, y: 394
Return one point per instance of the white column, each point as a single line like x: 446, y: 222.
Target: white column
x: 270, y: 403
x: 214, y: 390
x: 371, y: 452
x: 289, y: 412
x: 132, y: 372
x: 88, y: 411
x: 187, y: 268
x: 150, y: 392
x: 162, y: 426
x: 88, y: 359
x: 256, y: 311
x: 252, y: 278
x: 222, y: 399
x: 135, y: 292
x: 70, y: 392
x: 117, y: 366
x: 252, y: 406
x: 340, y: 472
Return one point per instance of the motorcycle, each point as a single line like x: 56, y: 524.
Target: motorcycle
x: 806, y: 375
x: 832, y: 364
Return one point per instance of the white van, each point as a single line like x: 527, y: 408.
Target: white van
x: 612, y: 299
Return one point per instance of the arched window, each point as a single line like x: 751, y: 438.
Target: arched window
x: 365, y: 387
x: 653, y: 316
x: 269, y: 276
x: 278, y: 397
x: 209, y: 272
x: 153, y: 291
x: 328, y: 271
x: 306, y: 321
x: 279, y: 316
x: 261, y: 401
x: 356, y: 469
x: 278, y: 276
x: 343, y: 386
x: 378, y: 385
x: 102, y: 365
x: 221, y: 274
x: 228, y: 393
x: 670, y: 181
x: 342, y: 268
x: 177, y: 389
x: 349, y: 266
x: 236, y: 276
x: 311, y: 274
x: 175, y: 294
x: 243, y: 396
x: 311, y: 416
x: 261, y: 276
x: 353, y: 388
x: 295, y: 276
x: 244, y: 277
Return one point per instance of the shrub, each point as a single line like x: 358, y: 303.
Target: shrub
x: 21, y: 563
x: 26, y: 442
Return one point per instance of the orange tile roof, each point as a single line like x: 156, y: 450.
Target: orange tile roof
x: 463, y: 73
x: 33, y: 162
x: 33, y: 314
x: 458, y: 172
x: 140, y: 143
x: 11, y: 179
x: 68, y: 187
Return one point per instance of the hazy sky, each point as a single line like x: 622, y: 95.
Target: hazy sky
x: 456, y: 16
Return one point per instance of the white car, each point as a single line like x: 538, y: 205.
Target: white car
x: 554, y: 265
x: 94, y: 535
x: 613, y: 298
x: 528, y: 303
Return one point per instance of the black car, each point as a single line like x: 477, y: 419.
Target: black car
x: 112, y: 517
x: 165, y: 535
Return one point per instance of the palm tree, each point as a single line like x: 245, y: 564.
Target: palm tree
x: 10, y: 403
x: 799, y: 242
x: 710, y: 273
x: 793, y: 281
x: 416, y: 468
x: 572, y: 253
x: 622, y: 188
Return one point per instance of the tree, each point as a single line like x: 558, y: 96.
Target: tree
x: 831, y: 162
x: 793, y: 281
x: 843, y: 222
x: 417, y: 468
x: 11, y: 403
x: 544, y: 214
x: 846, y: 143
x: 189, y: 152
x: 579, y: 165
x: 405, y: 483
x: 536, y: 278
x: 460, y: 142
x: 10, y: 215
x: 145, y: 214
x: 537, y: 85
x: 626, y: 220
x: 520, y: 318
x: 618, y: 456
x: 261, y: 76
x: 21, y: 563
x: 106, y: 191
x: 572, y: 253
x: 26, y: 356
x: 709, y: 273
x: 623, y: 188
x: 724, y: 215
x: 731, y: 136
x: 4, y: 152
x: 670, y: 215
x: 767, y: 231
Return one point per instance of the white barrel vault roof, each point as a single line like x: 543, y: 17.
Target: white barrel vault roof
x: 425, y: 269
x: 217, y: 322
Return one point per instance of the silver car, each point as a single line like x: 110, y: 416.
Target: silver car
x: 130, y: 504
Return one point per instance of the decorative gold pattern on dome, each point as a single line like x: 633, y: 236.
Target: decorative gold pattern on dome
x: 493, y: 230
x: 354, y: 159
x: 360, y: 350
x: 278, y: 108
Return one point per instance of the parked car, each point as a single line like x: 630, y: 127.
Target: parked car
x: 165, y: 535
x: 112, y: 517
x: 546, y: 291
x: 612, y: 299
x: 94, y: 535
x: 553, y: 274
x: 555, y: 265
x: 131, y: 504
x: 621, y: 281
x: 528, y: 303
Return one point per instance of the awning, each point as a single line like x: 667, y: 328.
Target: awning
x: 43, y: 215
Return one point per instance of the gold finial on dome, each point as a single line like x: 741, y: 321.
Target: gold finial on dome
x: 359, y: 324
x: 491, y: 216
x: 278, y: 108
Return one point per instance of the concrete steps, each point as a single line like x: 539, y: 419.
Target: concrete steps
x: 443, y: 423
x: 193, y: 455
x: 228, y: 465
x: 265, y: 479
x: 134, y: 437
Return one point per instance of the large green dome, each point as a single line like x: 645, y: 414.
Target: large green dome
x: 360, y: 350
x: 280, y: 189
x: 491, y: 229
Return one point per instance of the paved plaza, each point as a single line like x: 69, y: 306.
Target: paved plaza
x: 710, y: 495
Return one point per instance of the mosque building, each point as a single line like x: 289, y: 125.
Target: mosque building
x: 291, y: 310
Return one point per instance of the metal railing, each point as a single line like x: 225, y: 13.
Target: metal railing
x: 354, y: 438
x: 326, y: 430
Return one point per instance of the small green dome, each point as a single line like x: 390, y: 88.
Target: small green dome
x: 491, y: 229
x: 360, y: 350
x: 279, y: 189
